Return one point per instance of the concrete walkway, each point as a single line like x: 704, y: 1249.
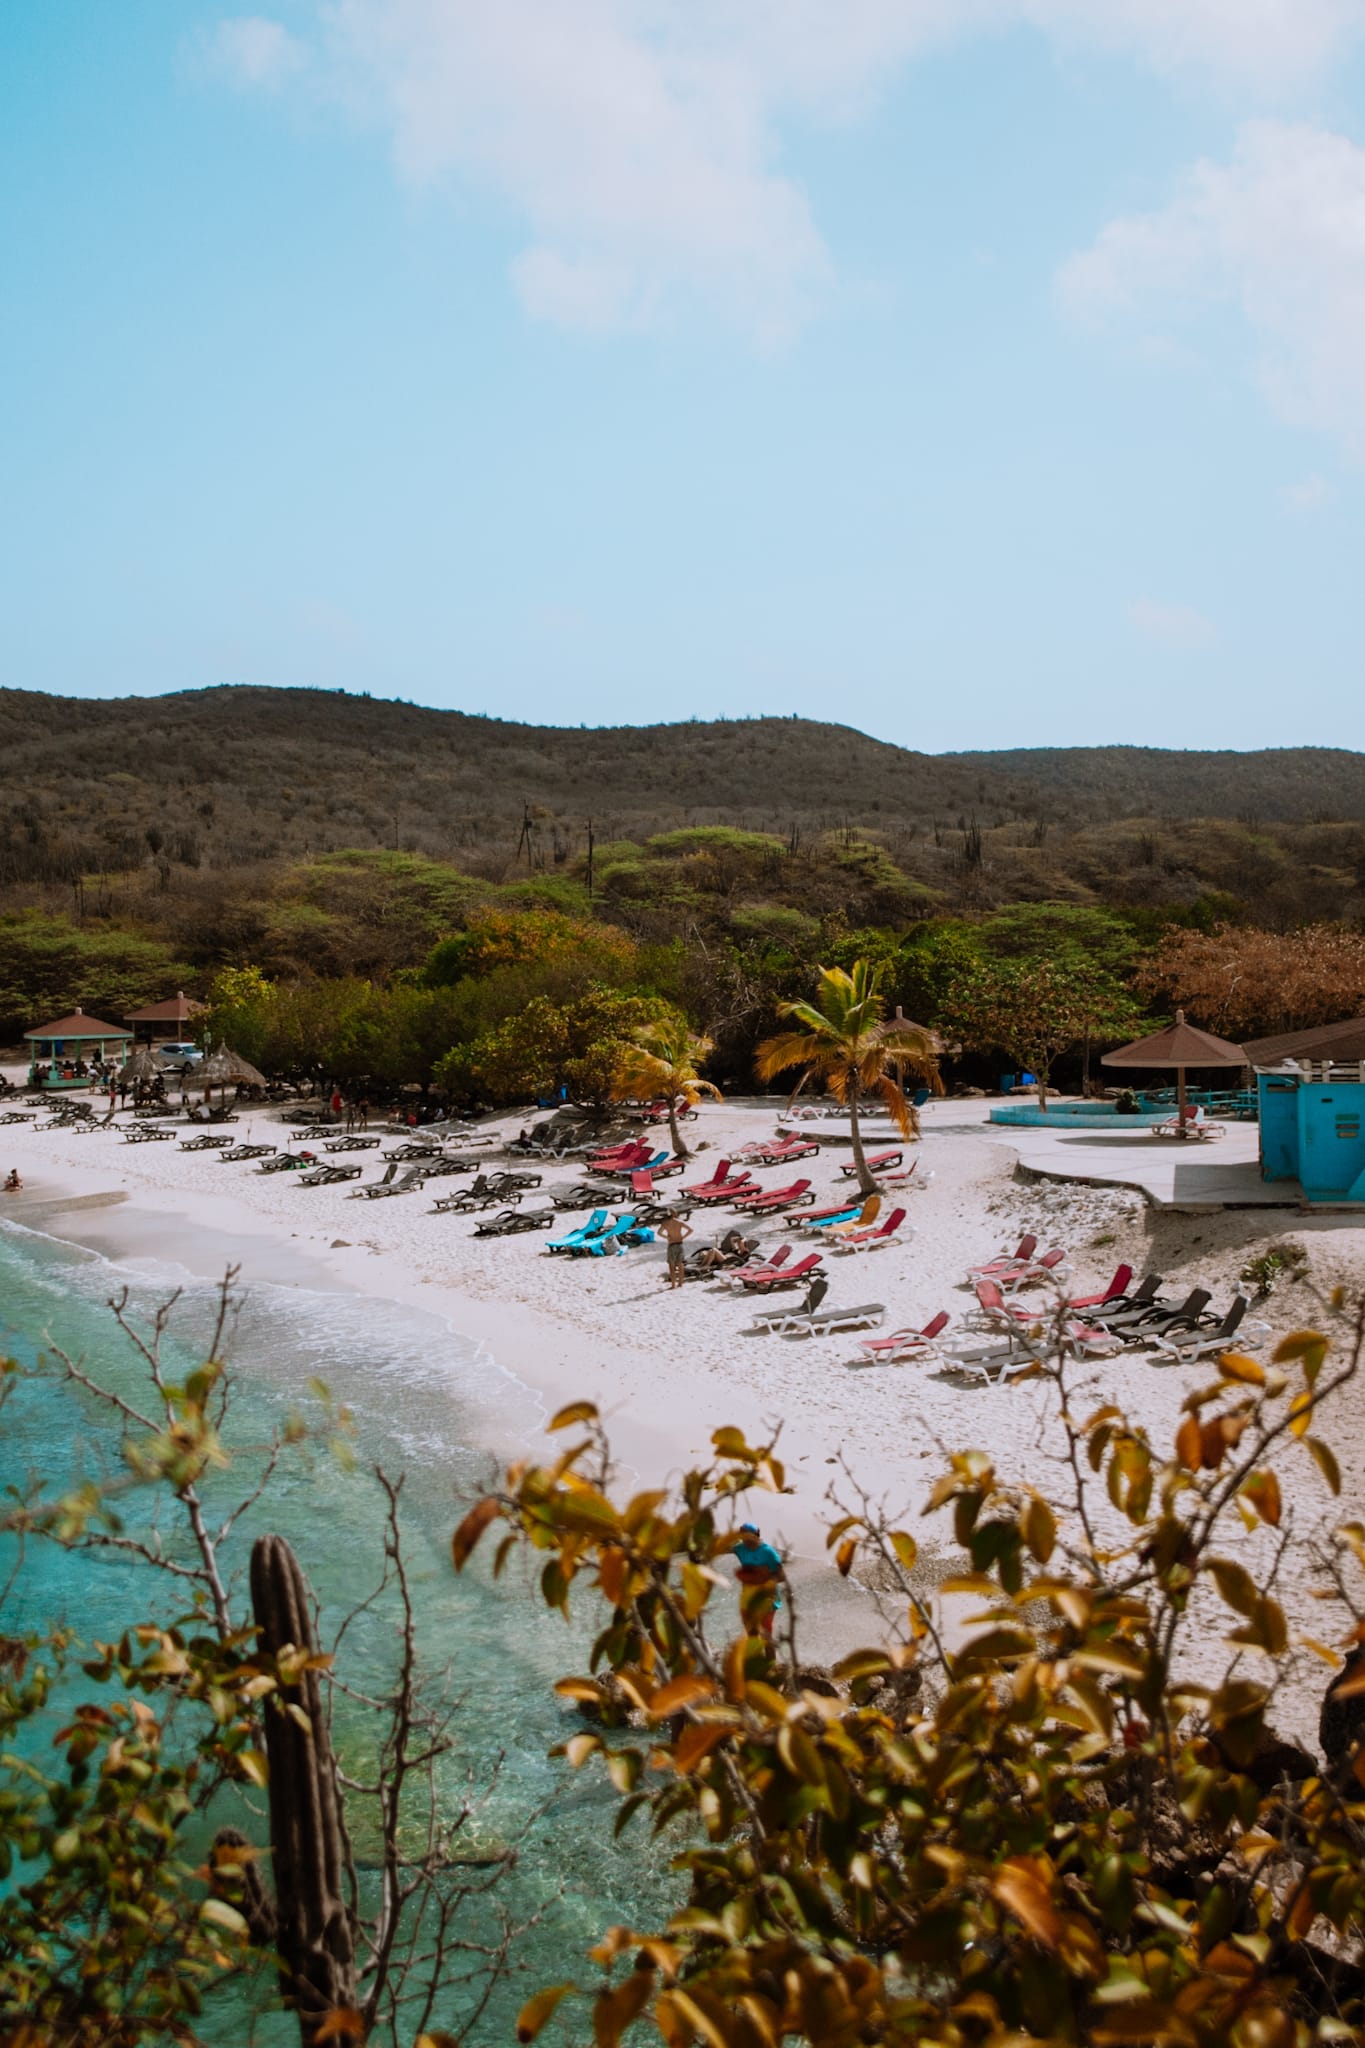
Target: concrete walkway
x: 1209, y: 1173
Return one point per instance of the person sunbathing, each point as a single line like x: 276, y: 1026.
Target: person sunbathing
x: 13, y: 1183
x: 733, y: 1249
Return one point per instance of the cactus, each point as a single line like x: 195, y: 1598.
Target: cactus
x: 315, y: 1938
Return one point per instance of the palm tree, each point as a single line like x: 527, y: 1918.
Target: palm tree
x: 844, y: 1040
x: 663, y: 1060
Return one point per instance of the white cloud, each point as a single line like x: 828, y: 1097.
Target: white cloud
x: 1271, y: 43
x: 1172, y: 625
x: 254, y: 51
x: 1310, y: 494
x: 1279, y: 232
x: 640, y: 140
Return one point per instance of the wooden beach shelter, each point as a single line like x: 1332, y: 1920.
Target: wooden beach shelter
x: 226, y: 1068
x: 1180, y: 1045
x: 166, y: 1020
x: 74, y: 1037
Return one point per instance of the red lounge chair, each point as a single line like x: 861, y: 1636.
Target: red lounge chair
x: 642, y: 1187
x: 719, y: 1190
x: 848, y: 1211
x: 871, y: 1240
x: 1052, y: 1266
x: 618, y: 1158
x: 764, y: 1201
x: 1084, y: 1339
x: 1117, y: 1287
x: 717, y: 1179
x: 782, y: 1151
x: 874, y: 1164
x: 739, y: 1274
x: 781, y: 1276
x: 1006, y: 1262
x: 905, y: 1344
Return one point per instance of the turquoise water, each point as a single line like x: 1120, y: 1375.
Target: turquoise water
x: 420, y: 1395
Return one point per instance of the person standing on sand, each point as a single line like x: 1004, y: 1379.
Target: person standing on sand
x: 673, y: 1233
x: 364, y: 1112
x: 760, y: 1566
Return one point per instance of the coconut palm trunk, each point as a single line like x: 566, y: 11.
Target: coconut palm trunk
x: 673, y: 1131
x: 866, y: 1184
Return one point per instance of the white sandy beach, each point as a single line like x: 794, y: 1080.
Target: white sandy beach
x: 668, y: 1367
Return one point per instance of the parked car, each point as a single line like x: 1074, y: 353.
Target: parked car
x: 178, y: 1055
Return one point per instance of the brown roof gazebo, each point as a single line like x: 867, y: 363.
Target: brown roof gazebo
x: 157, y: 1019
x: 1180, y: 1045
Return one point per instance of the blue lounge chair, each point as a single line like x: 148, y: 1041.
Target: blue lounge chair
x: 576, y: 1239
x: 625, y: 1230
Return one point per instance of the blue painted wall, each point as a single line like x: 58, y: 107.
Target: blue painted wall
x: 1314, y: 1132
x: 1279, y: 1128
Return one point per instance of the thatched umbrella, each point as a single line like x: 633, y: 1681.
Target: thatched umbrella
x: 226, y: 1068
x: 1180, y: 1045
x: 140, y: 1068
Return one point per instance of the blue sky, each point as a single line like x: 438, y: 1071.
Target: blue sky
x: 977, y: 372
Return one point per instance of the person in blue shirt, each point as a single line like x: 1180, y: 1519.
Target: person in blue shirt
x: 760, y: 1565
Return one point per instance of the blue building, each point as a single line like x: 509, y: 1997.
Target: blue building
x: 1313, y: 1127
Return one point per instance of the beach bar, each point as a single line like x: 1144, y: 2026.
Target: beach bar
x: 1313, y: 1128
x: 57, y: 1049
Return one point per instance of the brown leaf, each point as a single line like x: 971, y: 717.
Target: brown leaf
x: 538, y: 2010
x: 1023, y: 1889
x: 463, y: 1542
x: 679, y: 1693
x: 1187, y: 1444
x: 577, y: 1411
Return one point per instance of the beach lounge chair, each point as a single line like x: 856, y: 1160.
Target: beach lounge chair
x: 1161, y: 1320
x: 1187, y: 1345
x: 781, y: 1151
x: 986, y: 1359
x: 207, y: 1143
x: 1139, y: 1300
x: 767, y: 1319
x: 614, y: 1157
x: 738, y: 1274
x: 876, y: 1239
x: 579, y: 1196
x: 1006, y: 1262
x: 481, y: 1193
x: 863, y: 1219
x: 416, y: 1148
x: 327, y: 1176
x: 595, y: 1224
x: 236, y: 1152
x: 352, y: 1144
x: 380, y: 1190
x: 1194, y: 1125
x: 913, y: 1176
x: 762, y: 1279
x: 825, y: 1322
x: 878, y: 1162
x: 143, y: 1134
x: 1117, y: 1290
x: 619, y: 1236
x: 838, y: 1212
x: 1040, y: 1327
x: 904, y: 1347
x: 717, y: 1190
x: 1051, y: 1266
x: 768, y: 1201
x: 712, y: 1261
x: 17, y: 1116
x: 287, y: 1162
x: 513, y: 1221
